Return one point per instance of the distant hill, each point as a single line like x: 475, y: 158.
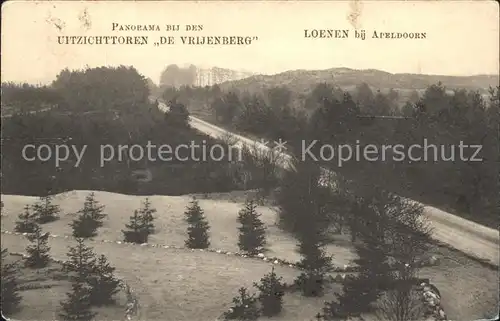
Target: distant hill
x: 301, y: 81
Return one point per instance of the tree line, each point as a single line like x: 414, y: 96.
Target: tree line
x: 27, y: 97
x: 97, y: 107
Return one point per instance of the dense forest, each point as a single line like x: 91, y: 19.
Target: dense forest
x: 333, y: 116
x: 26, y: 97
x: 111, y: 106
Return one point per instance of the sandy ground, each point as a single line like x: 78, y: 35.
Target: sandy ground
x: 174, y: 283
x: 178, y: 285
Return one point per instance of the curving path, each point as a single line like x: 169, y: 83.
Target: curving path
x: 466, y: 236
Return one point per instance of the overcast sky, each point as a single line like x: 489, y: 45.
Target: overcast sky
x: 462, y: 36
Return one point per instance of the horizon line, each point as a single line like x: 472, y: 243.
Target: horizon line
x: 47, y: 81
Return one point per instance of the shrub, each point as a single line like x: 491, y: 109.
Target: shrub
x: 10, y: 287
x: 137, y: 233
x: 45, y: 211
x: 244, y: 307
x: 26, y: 222
x: 77, y: 306
x: 84, y: 226
x: 93, y: 209
x: 38, y: 251
x: 103, y: 283
x: 81, y: 261
x: 146, y: 215
x: 271, y: 294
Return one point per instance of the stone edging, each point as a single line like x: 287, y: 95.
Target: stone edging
x: 259, y: 256
x: 430, y: 296
x: 432, y: 299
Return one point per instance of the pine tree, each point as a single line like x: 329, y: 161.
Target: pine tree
x: 103, y: 283
x: 244, y: 307
x: 304, y: 211
x: 81, y: 261
x: 136, y: 233
x: 84, y: 226
x: 10, y: 290
x: 356, y: 298
x: 361, y: 290
x: 26, y: 222
x: 89, y: 219
x: 198, y: 227
x: 94, y: 209
x: 315, y: 263
x: 271, y: 294
x: 393, y: 236
x: 252, y: 237
x: 312, y: 240
x: 147, y: 218
x: 77, y: 307
x: 38, y: 252
x: 45, y: 211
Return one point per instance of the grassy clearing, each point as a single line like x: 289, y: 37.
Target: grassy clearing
x: 169, y: 223
x: 173, y: 284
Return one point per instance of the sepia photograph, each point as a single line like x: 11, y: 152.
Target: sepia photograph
x: 250, y: 160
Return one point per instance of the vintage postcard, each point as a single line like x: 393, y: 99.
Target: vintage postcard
x: 250, y: 160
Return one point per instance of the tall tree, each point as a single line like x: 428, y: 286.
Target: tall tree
x: 302, y: 200
x: 315, y: 264
x: 365, y: 98
x: 178, y: 114
x: 303, y: 211
x: 227, y: 107
x: 170, y: 77
x: 393, y: 239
